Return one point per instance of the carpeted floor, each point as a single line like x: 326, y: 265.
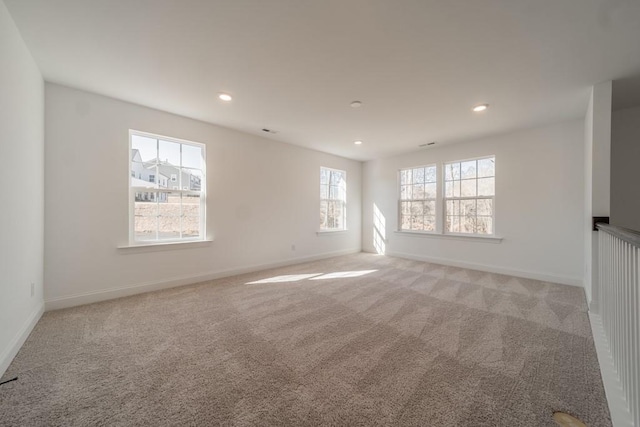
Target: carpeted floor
x: 383, y: 341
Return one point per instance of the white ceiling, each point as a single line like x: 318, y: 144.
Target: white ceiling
x: 294, y: 66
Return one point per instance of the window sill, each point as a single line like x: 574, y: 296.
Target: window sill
x: 327, y: 232
x: 163, y: 246
x: 469, y: 237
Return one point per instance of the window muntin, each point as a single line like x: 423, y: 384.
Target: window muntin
x: 333, y: 199
x: 159, y: 213
x: 418, y: 190
x: 469, y: 196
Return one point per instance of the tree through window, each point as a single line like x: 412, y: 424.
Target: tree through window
x: 333, y: 199
x: 418, y: 188
x: 469, y: 192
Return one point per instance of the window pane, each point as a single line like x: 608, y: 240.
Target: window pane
x: 486, y: 186
x: 429, y: 223
x: 140, y: 175
x: 417, y: 208
x: 430, y: 174
x: 342, y: 193
x: 169, y: 215
x: 334, y: 192
x: 190, y: 215
x: 484, y: 225
x: 418, y: 175
x: 323, y: 214
x: 485, y: 207
x: 468, y: 169
x: 416, y: 222
x: 486, y: 167
x: 324, y: 192
x: 190, y: 227
x: 324, y: 176
x: 336, y: 178
x: 452, y: 171
x: 160, y: 164
x: 145, y: 216
x: 191, y: 205
x: 453, y: 224
x: 169, y: 152
x: 405, y: 208
x: 405, y: 223
x: 468, y: 188
x: 430, y: 207
x: 335, y: 214
x: 192, y: 157
x: 191, y: 179
x: 468, y: 207
x: 332, y: 214
x: 453, y: 207
x: 404, y: 177
x: 467, y: 224
x: 143, y: 149
x: 430, y: 191
x: 418, y: 191
x: 452, y: 189
x: 405, y: 192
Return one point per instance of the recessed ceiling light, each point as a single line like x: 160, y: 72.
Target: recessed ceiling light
x: 356, y: 104
x: 481, y: 107
x: 225, y: 97
x: 357, y: 142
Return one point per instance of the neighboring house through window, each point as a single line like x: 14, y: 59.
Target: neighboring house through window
x: 158, y: 213
x: 333, y: 199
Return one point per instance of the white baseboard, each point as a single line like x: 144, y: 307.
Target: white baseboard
x: 16, y: 343
x: 112, y: 293
x: 564, y: 280
x: 620, y: 415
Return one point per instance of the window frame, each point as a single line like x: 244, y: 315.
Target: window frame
x: 133, y: 190
x: 441, y: 203
x: 477, y: 197
x: 434, y: 199
x: 328, y: 199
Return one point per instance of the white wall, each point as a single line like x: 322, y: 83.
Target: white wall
x: 539, y: 204
x: 21, y: 175
x: 589, y: 238
x: 597, y: 180
x: 262, y: 199
x: 625, y: 161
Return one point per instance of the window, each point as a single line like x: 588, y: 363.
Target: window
x: 418, y: 188
x: 333, y: 199
x: 469, y: 190
x: 159, y: 214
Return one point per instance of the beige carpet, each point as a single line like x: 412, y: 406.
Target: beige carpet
x: 408, y: 343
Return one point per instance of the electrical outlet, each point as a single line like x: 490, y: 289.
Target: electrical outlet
x: 33, y: 289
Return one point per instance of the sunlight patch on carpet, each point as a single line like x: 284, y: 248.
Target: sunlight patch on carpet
x: 343, y: 274
x: 285, y: 278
